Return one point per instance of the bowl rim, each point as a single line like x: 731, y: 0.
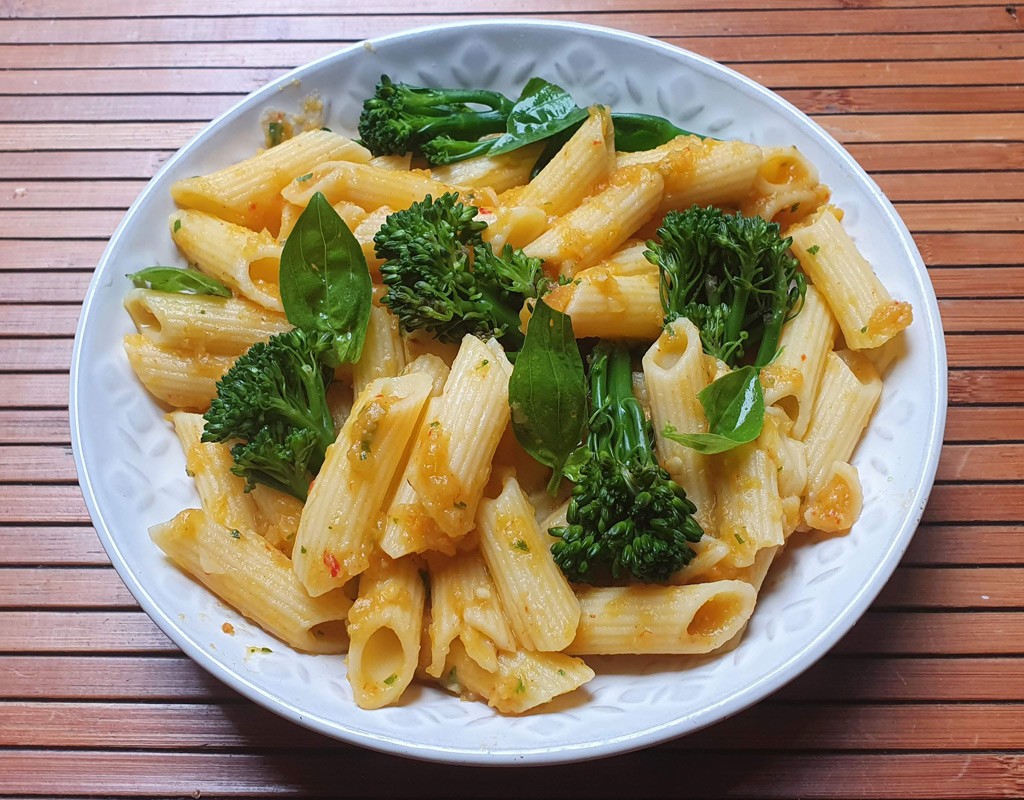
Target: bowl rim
x: 723, y: 708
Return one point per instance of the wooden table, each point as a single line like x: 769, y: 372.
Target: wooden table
x: 925, y: 698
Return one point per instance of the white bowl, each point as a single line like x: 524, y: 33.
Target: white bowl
x: 132, y: 471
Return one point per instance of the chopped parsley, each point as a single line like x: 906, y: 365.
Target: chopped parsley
x: 813, y: 249
x: 390, y: 679
x: 740, y: 539
x: 794, y: 207
x: 304, y: 178
x: 520, y: 686
x: 520, y: 544
x: 177, y: 225
x: 459, y: 505
x: 235, y: 533
x: 302, y: 550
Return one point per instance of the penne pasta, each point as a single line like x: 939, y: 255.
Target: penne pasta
x: 255, y: 579
x: 181, y: 378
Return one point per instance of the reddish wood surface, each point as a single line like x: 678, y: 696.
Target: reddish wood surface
x: 923, y: 699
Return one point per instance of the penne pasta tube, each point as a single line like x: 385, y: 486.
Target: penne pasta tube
x: 255, y: 579
x: 791, y: 380
x: 385, y: 624
x: 693, y: 619
x: 674, y: 373
x: 248, y: 193
x: 181, y: 378
x: 220, y: 325
x: 221, y: 492
x: 337, y: 526
x: 349, y: 212
x: 707, y: 173
x: 383, y: 353
x: 535, y: 595
x: 247, y: 262
x: 605, y: 304
x: 521, y: 681
x: 464, y: 605
x: 499, y: 173
x: 277, y: 516
x: 863, y: 307
x: 367, y: 186
x: 584, y: 162
x: 749, y: 509
x: 596, y: 228
x: 451, y: 462
x: 786, y: 187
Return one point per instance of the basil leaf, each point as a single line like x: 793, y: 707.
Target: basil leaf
x: 542, y: 110
x: 548, y: 392
x: 734, y: 407
x: 178, y: 281
x: 325, y: 284
x: 636, y: 132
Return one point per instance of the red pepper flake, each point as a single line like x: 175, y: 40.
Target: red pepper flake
x: 252, y: 206
x: 228, y: 628
x: 331, y: 563
x: 484, y: 210
x: 803, y: 357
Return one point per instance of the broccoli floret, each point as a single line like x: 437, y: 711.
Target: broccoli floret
x: 732, y: 276
x: 279, y: 457
x: 625, y: 514
x: 441, y: 276
x: 400, y: 118
x: 274, y: 399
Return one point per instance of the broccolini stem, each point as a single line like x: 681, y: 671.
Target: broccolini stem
x: 512, y: 338
x: 481, y: 97
x: 471, y: 125
x: 620, y: 428
x: 773, y: 325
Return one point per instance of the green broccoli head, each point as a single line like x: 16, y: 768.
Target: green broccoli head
x: 400, y: 118
x: 731, y: 275
x: 626, y: 515
x: 443, y: 278
x: 274, y: 399
x: 280, y: 457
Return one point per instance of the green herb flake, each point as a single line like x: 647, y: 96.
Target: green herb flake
x: 483, y: 363
x: 252, y: 650
x: 561, y: 672
x: 302, y: 550
x: 390, y: 679
x: 864, y: 329
x: 436, y: 423
x: 364, y: 449
x: 520, y: 544
x: 189, y: 472
x: 275, y: 133
x: 794, y: 207
x: 740, y: 539
x: 177, y: 225
x: 304, y: 178
x: 520, y: 686
x: 813, y: 249
x: 236, y: 534
x: 460, y: 504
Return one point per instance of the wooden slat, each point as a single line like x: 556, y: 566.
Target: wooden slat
x: 873, y: 680
x: 962, y: 502
x: 927, y: 156
x: 39, y: 320
x: 38, y: 587
x: 906, y: 775
x: 26, y: 167
x: 30, y: 355
x: 311, y: 28
x: 952, y: 186
x: 41, y: 464
x: 841, y: 46
x: 42, y: 504
x: 974, y: 462
x: 33, y: 427
x: 965, y: 545
x: 60, y: 194
x: 50, y: 545
x: 953, y: 588
x: 985, y: 387
x: 109, y: 678
x: 43, y: 390
x: 80, y: 632
x: 64, y: 9
x: 937, y: 633
x: 992, y: 315
x: 984, y: 424
x: 766, y: 727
